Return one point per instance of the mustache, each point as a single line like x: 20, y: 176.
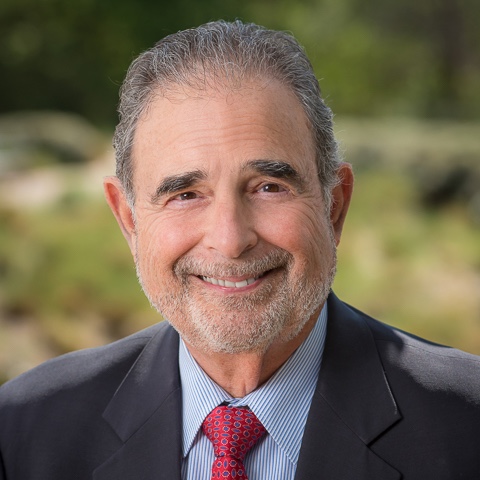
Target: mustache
x: 253, y: 267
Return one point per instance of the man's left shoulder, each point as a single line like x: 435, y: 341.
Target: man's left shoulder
x: 430, y: 365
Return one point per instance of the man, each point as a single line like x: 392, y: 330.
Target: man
x: 232, y: 197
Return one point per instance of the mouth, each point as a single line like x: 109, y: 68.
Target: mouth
x: 229, y: 283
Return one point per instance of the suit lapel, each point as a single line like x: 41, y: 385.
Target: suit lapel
x: 145, y: 413
x: 351, y: 407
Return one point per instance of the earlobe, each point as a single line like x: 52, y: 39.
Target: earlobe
x: 117, y: 200
x: 341, y: 195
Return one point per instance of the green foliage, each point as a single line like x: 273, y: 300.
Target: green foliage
x: 409, y: 57
x: 68, y: 269
x: 72, y: 56
x: 414, y: 268
x: 389, y: 57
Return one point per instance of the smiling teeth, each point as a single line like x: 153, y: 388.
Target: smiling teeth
x: 226, y: 283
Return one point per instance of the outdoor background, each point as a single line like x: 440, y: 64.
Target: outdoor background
x: 403, y: 79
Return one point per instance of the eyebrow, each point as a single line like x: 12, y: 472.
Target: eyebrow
x: 277, y: 169
x: 177, y: 183
x: 271, y: 168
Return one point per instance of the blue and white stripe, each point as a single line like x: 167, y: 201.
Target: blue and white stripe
x: 281, y: 404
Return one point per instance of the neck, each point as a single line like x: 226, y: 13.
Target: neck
x: 241, y: 373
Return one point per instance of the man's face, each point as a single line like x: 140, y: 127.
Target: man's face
x: 232, y: 241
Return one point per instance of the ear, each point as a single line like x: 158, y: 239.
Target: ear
x: 341, y: 195
x: 117, y: 200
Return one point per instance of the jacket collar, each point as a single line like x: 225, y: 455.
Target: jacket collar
x: 145, y: 413
x: 352, y: 404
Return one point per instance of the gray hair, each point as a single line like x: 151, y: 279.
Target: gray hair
x: 230, y: 52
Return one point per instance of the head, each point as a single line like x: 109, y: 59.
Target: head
x: 218, y: 55
x: 229, y: 190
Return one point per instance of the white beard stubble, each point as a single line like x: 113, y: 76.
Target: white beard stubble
x: 278, y: 311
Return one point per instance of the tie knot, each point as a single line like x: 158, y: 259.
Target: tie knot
x: 232, y: 431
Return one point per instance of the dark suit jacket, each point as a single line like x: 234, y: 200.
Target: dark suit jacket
x: 387, y: 406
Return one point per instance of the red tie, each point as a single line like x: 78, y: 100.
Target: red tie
x: 233, y: 432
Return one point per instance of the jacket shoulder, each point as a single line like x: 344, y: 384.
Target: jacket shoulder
x: 430, y: 366
x: 104, y: 366
x: 59, y: 407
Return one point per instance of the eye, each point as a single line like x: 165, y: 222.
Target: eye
x: 186, y: 196
x: 272, y: 188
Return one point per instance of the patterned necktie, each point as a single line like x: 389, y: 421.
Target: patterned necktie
x: 233, y: 432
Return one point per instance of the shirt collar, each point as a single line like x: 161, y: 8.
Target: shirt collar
x: 281, y: 404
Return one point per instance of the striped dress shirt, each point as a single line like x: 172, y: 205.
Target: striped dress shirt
x: 281, y: 404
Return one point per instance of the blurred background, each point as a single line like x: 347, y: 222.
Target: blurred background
x: 403, y: 79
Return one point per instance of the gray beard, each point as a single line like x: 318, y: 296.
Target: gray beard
x: 248, y: 323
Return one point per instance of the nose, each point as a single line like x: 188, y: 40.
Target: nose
x: 230, y: 227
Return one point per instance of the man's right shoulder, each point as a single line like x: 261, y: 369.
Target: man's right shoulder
x: 103, y: 366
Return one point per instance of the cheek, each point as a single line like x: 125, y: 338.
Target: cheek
x: 162, y: 241
x: 302, y: 230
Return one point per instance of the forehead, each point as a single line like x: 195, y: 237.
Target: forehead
x: 186, y: 128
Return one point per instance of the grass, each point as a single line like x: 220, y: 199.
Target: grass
x: 67, y: 276
x: 411, y: 267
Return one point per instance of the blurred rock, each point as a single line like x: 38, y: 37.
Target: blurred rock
x: 442, y: 158
x: 30, y: 139
x: 45, y: 156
